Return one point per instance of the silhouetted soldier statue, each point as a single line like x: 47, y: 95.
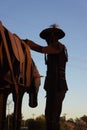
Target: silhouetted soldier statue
x: 55, y: 81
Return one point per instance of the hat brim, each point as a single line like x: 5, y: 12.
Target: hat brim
x: 56, y: 31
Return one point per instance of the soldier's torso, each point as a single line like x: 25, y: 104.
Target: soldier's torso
x: 56, y: 65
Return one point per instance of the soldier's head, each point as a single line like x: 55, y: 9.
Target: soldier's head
x: 52, y: 34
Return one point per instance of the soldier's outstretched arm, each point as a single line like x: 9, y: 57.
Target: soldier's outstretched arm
x: 44, y: 49
x: 34, y: 46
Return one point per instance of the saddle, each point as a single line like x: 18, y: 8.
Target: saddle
x: 16, y: 44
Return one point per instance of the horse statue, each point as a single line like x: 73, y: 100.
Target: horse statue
x: 18, y: 74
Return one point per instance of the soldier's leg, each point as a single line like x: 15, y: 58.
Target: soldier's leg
x: 53, y: 110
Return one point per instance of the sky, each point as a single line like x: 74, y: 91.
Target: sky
x: 27, y: 19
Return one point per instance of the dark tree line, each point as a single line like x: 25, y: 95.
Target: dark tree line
x: 40, y: 124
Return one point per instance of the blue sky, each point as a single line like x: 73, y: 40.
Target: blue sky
x: 27, y: 19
